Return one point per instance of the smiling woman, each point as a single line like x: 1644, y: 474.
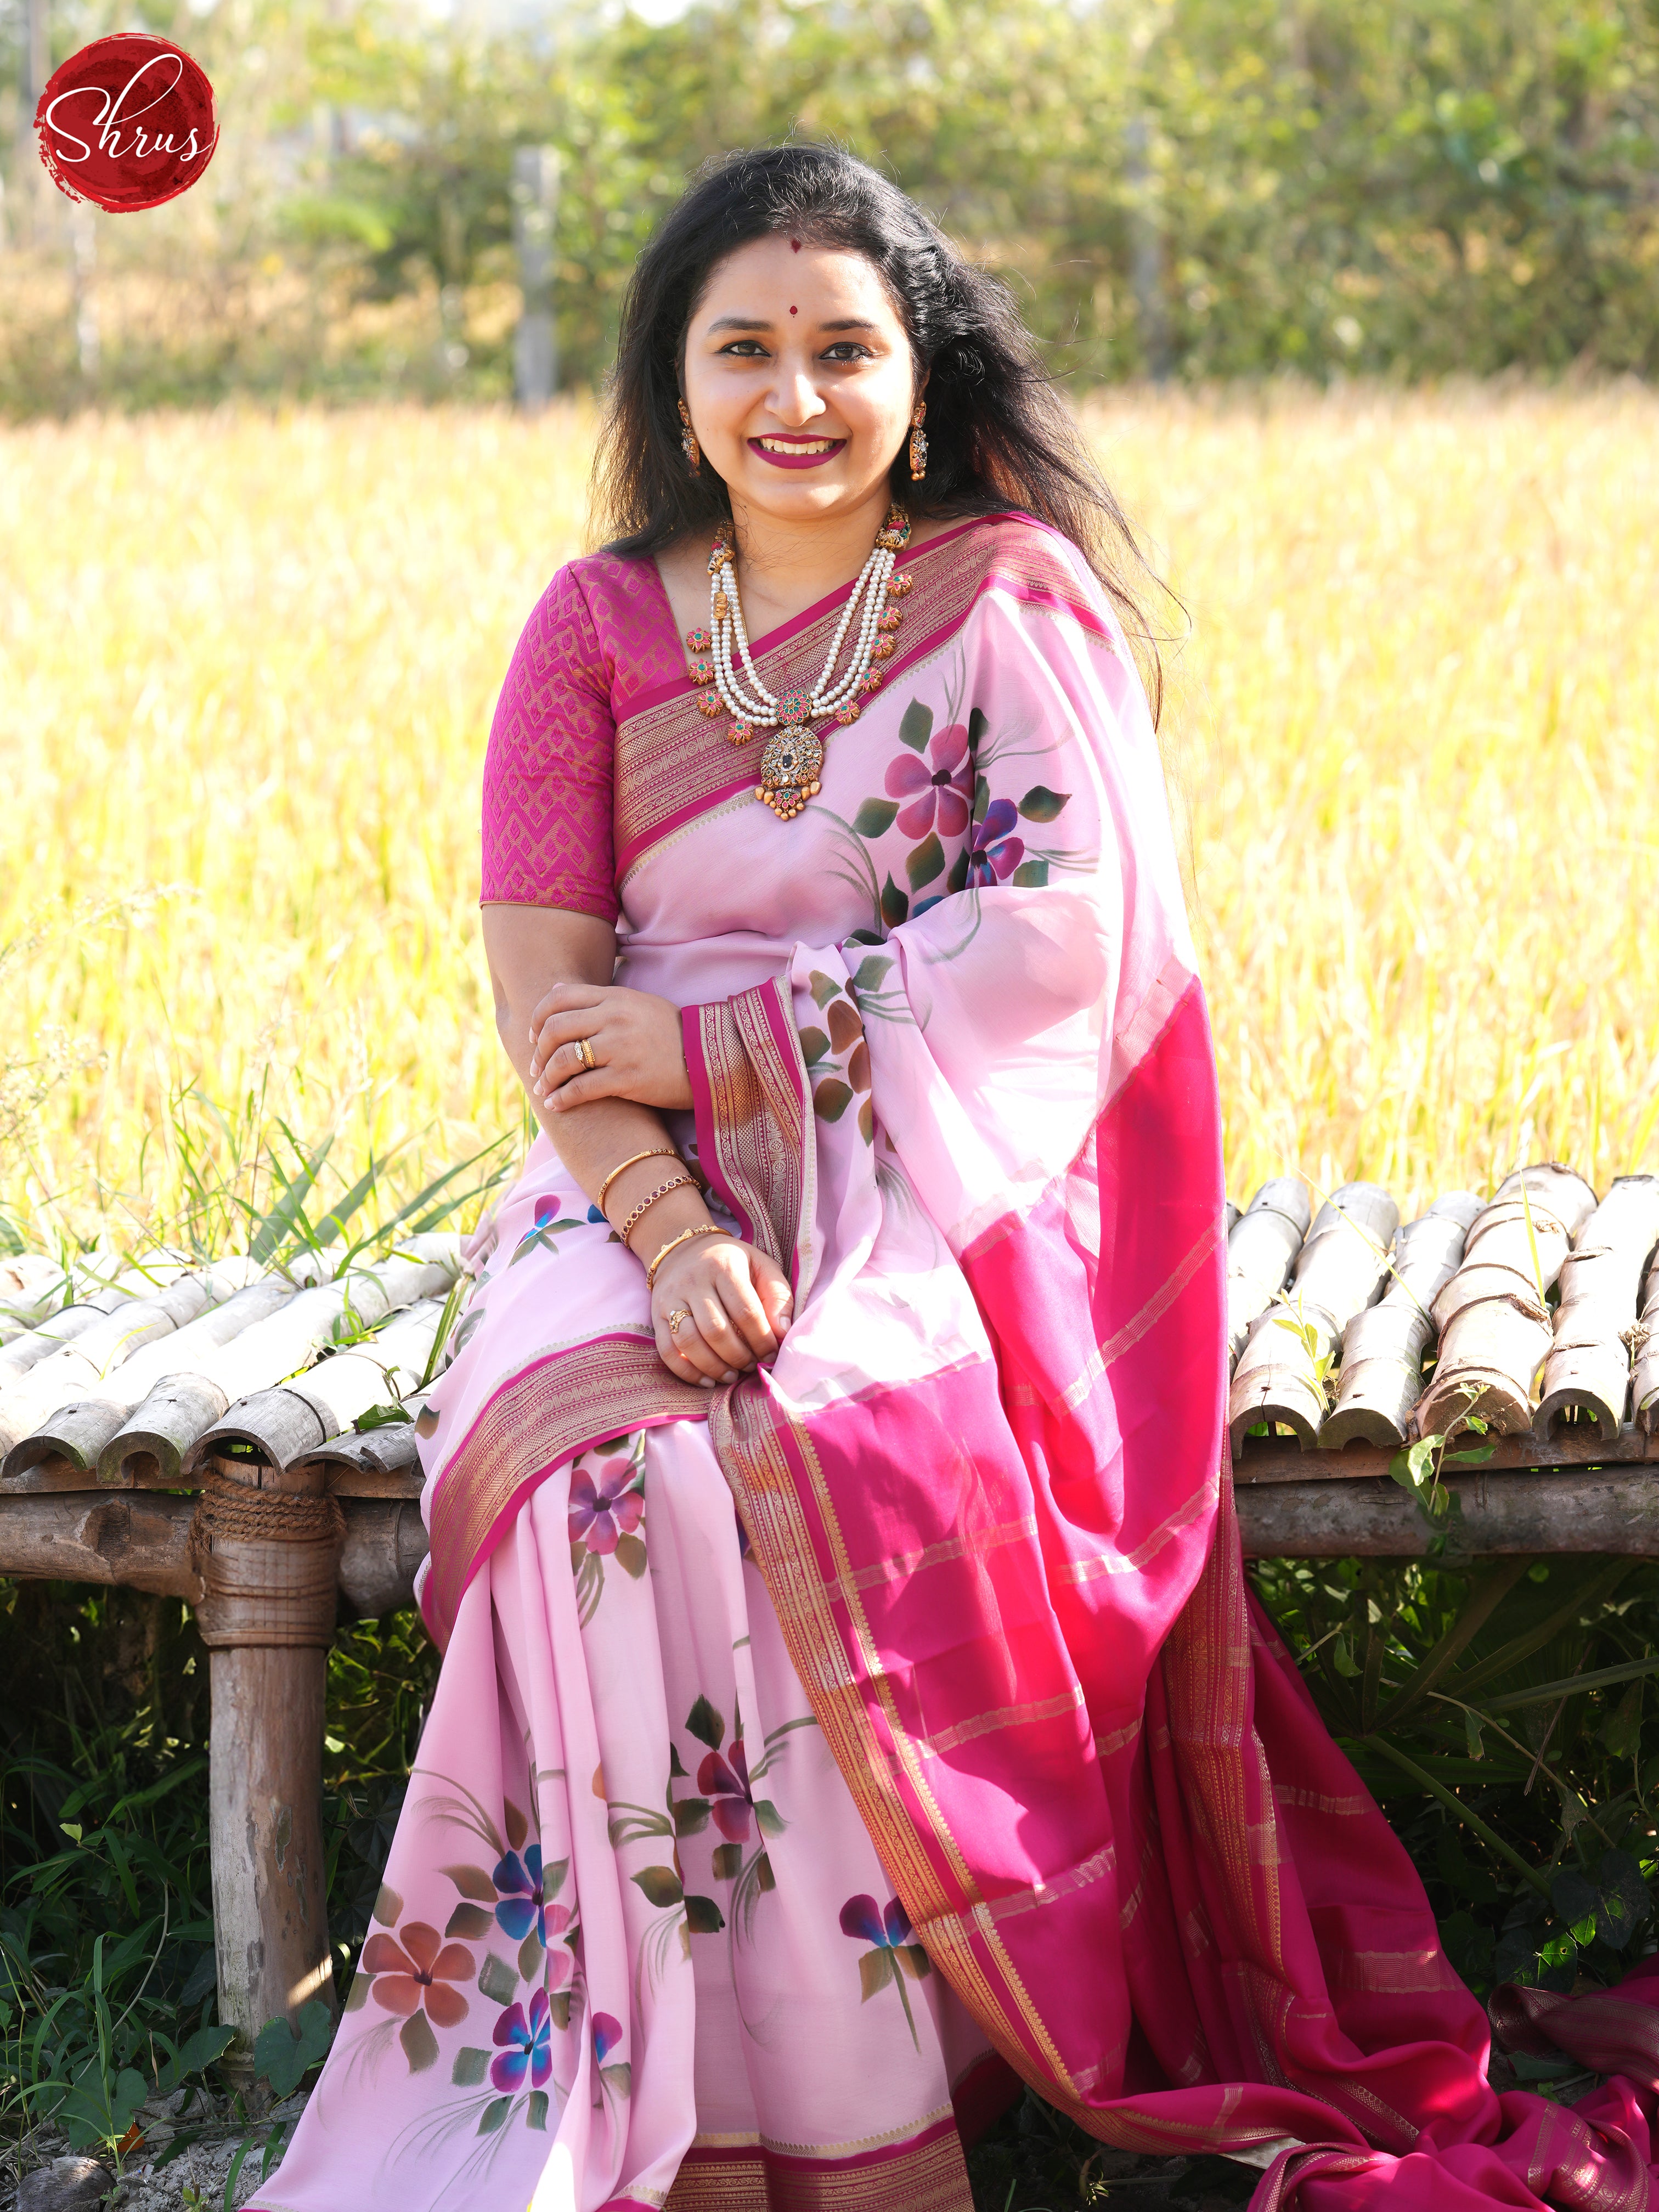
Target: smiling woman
x: 850, y: 1703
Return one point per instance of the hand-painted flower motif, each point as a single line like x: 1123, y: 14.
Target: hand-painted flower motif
x: 894, y: 1952
x: 525, y: 2045
x: 944, y: 790
x: 540, y: 1236
x: 731, y: 1802
x: 602, y: 1513
x: 616, y: 2080
x: 889, y: 1929
x: 993, y: 855
x: 414, y: 1971
x: 520, y: 1905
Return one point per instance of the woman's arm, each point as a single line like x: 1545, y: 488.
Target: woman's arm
x: 551, y: 973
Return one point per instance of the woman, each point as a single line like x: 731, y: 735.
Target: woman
x: 753, y: 1855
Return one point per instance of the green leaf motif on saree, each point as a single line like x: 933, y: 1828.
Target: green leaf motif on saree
x: 703, y: 1917
x: 469, y: 1923
x: 630, y: 1556
x: 530, y: 1957
x: 872, y: 974
x: 894, y: 905
x: 535, y: 2111
x: 619, y: 2078
x: 470, y: 2067
x: 814, y: 1044
x: 916, y: 727
x: 1042, y: 804
x: 769, y: 1820
x: 823, y: 987
x: 875, y: 818
x: 497, y: 1980
x: 494, y: 2115
x: 875, y: 1972
x: 690, y: 1816
x: 661, y: 1885
x: 419, y: 2043
x: 706, y: 1724
x: 925, y: 861
x: 1031, y: 876
x: 472, y: 1882
x: 728, y: 1862
x: 389, y: 1906
x: 830, y: 1101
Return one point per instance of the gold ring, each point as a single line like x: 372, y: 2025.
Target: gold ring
x: 584, y: 1054
x: 679, y: 1314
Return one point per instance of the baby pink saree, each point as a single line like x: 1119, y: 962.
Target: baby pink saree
x: 748, y: 1851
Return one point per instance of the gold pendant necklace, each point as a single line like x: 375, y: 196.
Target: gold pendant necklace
x: 792, y: 762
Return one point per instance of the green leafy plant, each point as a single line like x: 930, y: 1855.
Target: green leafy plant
x: 284, y: 2055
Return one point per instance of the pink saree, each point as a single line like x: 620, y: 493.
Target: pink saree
x: 751, y: 1851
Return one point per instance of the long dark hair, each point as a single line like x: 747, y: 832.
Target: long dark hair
x: 998, y: 434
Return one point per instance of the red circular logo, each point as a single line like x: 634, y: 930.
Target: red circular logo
x: 128, y: 122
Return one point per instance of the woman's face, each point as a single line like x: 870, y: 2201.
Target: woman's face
x: 800, y: 380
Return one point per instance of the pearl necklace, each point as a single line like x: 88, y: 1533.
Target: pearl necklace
x: 794, y: 757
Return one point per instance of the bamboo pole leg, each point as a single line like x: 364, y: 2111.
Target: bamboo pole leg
x: 268, y: 1560
x: 264, y: 1792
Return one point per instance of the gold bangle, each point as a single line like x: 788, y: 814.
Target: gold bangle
x: 704, y: 1229
x: 674, y: 1182
x: 657, y: 1152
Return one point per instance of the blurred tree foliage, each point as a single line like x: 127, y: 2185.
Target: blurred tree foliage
x: 1221, y: 187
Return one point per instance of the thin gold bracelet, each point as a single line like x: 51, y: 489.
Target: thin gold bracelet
x: 674, y: 1182
x: 657, y: 1152
x: 704, y: 1229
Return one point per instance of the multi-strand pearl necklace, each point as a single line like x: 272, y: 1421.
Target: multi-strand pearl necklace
x: 794, y: 757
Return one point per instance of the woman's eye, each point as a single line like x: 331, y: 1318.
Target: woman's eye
x: 848, y: 350
x: 745, y: 349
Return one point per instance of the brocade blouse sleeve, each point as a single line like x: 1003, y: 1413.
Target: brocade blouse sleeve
x: 548, y: 836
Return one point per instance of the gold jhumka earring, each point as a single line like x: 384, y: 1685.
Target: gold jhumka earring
x: 918, y: 443
x: 689, y: 445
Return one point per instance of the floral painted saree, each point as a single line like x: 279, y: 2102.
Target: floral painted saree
x: 816, y: 1757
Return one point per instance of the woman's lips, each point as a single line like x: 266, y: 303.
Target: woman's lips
x: 782, y: 456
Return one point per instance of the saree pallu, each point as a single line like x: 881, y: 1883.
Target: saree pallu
x: 952, y: 1067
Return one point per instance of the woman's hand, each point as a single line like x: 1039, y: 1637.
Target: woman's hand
x: 718, y: 1306
x: 634, y: 1039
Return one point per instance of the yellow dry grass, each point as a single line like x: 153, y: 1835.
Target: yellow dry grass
x: 247, y: 665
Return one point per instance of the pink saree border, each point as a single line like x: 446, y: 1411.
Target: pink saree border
x: 575, y: 1398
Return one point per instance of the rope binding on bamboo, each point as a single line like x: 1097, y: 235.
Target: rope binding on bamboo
x: 268, y: 1562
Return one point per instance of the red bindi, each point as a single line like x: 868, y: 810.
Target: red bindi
x: 794, y: 246
x: 794, y: 311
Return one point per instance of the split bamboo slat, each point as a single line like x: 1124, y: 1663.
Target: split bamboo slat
x: 1493, y: 1315
x: 1383, y: 1346
x: 151, y: 1444
x: 1342, y: 1266
x: 1262, y: 1244
x: 1588, y: 1370
x: 292, y: 1422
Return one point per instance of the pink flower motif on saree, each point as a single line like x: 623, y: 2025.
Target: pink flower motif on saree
x: 939, y: 786
x: 602, y: 1513
x: 731, y: 1802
